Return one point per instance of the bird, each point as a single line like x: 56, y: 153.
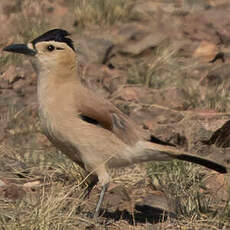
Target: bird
x: 84, y: 125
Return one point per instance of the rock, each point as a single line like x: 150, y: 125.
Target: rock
x: 31, y: 186
x: 196, y: 28
x: 136, y: 47
x: 221, y: 137
x: 130, y: 31
x: 212, y: 79
x: 13, y: 192
x: 218, y: 185
x: 117, y: 198
x: 151, y: 7
x: 155, y: 114
x: 172, y: 98
x: 43, y: 140
x: 156, y: 201
x: 186, y: 48
x: 5, y: 85
x: 19, y: 84
x: 206, y: 50
x: 161, y: 122
x: 210, y: 119
x: 218, y: 18
x: 192, y: 130
x: 219, y: 3
x: 131, y: 93
x: 219, y: 56
x: 195, y: 127
x: 2, y: 183
x: 10, y: 75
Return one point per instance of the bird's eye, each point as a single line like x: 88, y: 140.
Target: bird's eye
x: 50, y: 48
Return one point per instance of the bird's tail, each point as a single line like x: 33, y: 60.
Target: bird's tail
x: 146, y: 151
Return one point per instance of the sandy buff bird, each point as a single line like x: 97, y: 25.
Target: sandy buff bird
x: 83, y: 125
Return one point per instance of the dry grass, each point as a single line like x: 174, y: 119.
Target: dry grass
x: 103, y: 12
x: 51, y: 203
x: 29, y: 20
x: 54, y: 202
x: 195, y: 208
x: 160, y: 69
x: 166, y: 68
x: 33, y: 20
x: 50, y: 208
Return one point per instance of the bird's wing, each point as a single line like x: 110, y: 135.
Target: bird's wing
x: 99, y: 111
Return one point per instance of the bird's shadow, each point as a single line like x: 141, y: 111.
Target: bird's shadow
x: 142, y: 214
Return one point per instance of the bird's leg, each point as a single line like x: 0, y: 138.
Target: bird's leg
x: 102, y: 194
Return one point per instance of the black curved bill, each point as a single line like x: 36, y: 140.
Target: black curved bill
x: 20, y: 48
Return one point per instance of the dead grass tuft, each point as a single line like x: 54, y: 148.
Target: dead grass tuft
x: 103, y: 12
x: 195, y: 208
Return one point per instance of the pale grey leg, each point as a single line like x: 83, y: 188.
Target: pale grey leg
x: 99, y: 203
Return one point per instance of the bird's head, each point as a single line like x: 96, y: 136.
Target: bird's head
x: 52, y: 50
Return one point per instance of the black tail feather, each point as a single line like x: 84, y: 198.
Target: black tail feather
x: 207, y: 163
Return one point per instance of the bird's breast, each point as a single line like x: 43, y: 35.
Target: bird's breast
x: 56, y: 117
x: 55, y: 106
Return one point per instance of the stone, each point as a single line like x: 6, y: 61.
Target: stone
x: 10, y: 75
x: 206, y: 50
